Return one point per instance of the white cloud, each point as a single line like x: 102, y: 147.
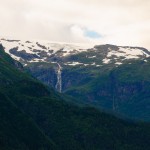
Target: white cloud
x: 77, y: 31
x: 121, y: 22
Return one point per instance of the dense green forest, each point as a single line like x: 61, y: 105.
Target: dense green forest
x: 33, y: 116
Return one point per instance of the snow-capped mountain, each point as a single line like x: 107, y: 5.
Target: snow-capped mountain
x: 71, y: 54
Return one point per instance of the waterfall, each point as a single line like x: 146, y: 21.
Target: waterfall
x: 59, y: 80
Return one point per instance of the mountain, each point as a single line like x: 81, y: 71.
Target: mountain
x: 113, y: 78
x: 36, y: 117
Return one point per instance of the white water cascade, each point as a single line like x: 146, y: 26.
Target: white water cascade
x: 59, y: 79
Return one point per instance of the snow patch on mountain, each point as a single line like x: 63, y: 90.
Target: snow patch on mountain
x: 92, y: 57
x: 74, y: 63
x: 106, y: 61
x: 118, y: 63
x: 127, y: 53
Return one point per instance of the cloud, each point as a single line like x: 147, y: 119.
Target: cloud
x: 83, y: 33
x: 121, y: 22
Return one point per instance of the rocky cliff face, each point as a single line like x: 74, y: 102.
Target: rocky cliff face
x: 49, y: 76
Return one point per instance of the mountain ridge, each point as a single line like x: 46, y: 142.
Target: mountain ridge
x: 28, y: 52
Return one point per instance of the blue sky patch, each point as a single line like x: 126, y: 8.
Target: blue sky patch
x: 92, y: 34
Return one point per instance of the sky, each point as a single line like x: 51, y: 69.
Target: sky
x: 119, y: 22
